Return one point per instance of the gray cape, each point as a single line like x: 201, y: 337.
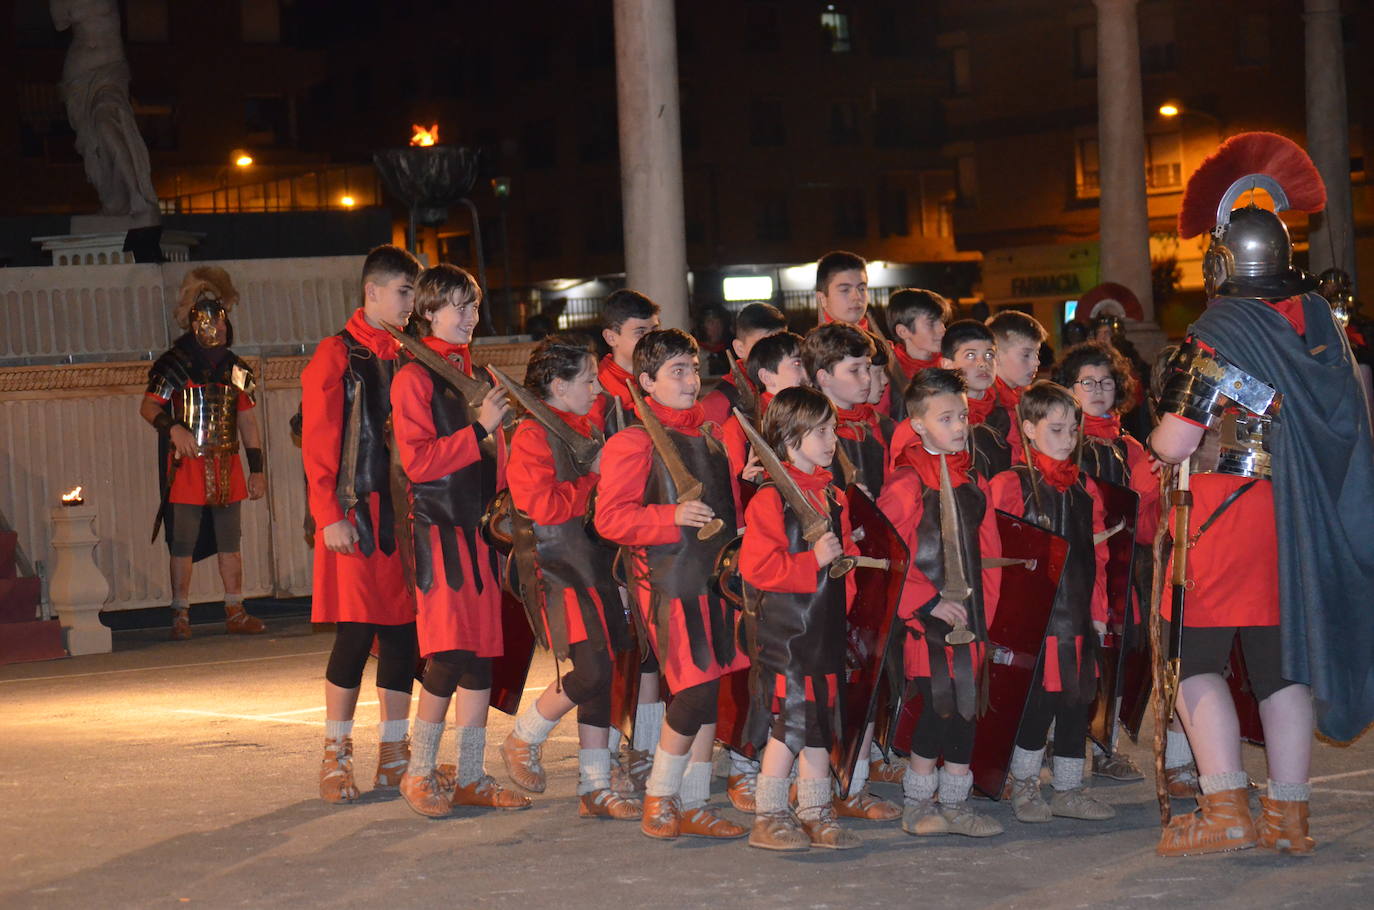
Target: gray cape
x: 1323, y: 475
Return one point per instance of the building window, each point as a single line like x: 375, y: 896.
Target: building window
x: 850, y: 219
x: 1252, y: 40
x: 844, y: 123
x: 260, y: 21
x: 767, y: 127
x: 966, y: 175
x: 772, y: 224
x: 1085, y: 51
x: 600, y: 136
x: 1088, y: 168
x: 887, y: 33
x: 835, y: 26
x: 267, y: 120
x: 605, y: 232
x: 960, y: 71
x: 894, y: 125
x: 535, y: 55
x: 146, y: 21
x: 539, y: 145
x: 1164, y: 161
x: 156, y: 119
x: 892, y: 212
x: 1158, y: 52
x: 596, y: 45
x: 761, y: 33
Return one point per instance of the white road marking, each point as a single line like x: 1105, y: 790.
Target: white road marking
x: 361, y: 704
x: 251, y: 717
x: 161, y: 667
x: 1342, y: 776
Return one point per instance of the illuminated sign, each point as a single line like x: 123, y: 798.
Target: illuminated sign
x: 748, y: 287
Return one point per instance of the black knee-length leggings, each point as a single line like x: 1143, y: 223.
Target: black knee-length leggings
x: 397, y: 655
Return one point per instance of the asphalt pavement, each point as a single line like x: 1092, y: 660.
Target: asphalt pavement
x: 168, y: 774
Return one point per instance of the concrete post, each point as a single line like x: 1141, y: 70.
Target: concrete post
x: 77, y: 587
x: 651, y: 155
x: 1125, y: 220
x: 1331, y: 234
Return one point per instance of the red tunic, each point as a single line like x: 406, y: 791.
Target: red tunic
x: 188, y: 484
x: 1140, y: 478
x: 909, y: 365
x: 448, y: 620
x: 623, y: 517
x: 1006, y: 495
x: 536, y: 490
x: 904, y: 505
x: 612, y: 378
x: 765, y: 558
x: 736, y: 443
x: 716, y: 404
x: 347, y: 587
x: 1008, y: 399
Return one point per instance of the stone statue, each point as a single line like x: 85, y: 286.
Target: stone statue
x: 95, y: 88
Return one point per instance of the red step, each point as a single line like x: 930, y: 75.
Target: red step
x: 9, y: 545
x: 19, y: 599
x: 39, y: 639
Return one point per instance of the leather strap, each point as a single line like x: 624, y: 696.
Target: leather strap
x: 1226, y: 503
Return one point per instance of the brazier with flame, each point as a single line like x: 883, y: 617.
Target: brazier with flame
x: 76, y: 587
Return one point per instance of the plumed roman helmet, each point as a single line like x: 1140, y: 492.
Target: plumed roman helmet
x: 207, y: 292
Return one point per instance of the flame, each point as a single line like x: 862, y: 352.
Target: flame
x: 424, y: 137
x: 73, y: 495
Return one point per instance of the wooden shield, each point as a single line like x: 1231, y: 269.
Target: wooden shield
x: 872, y: 624
x: 1136, y: 679
x: 1121, y: 505
x: 511, y: 670
x: 1015, y: 642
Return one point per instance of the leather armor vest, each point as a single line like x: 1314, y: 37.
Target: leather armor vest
x: 868, y: 454
x: 455, y: 502
x: 1068, y: 514
x: 682, y: 570
x: 370, y: 376
x: 556, y: 558
x: 1105, y: 459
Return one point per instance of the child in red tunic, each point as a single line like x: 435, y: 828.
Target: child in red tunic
x: 754, y: 323
x: 565, y: 578
x: 454, y: 456
x: 798, y: 673
x: 1051, y: 492
x: 690, y: 626
x: 916, y: 318
x: 1018, y: 337
x: 774, y: 364
x: 626, y: 317
x: 1104, y: 385
x: 947, y: 677
x: 359, y: 582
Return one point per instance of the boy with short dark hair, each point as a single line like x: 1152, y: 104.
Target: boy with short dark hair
x: 626, y: 317
x: 1050, y: 491
x: 754, y: 323
x: 689, y: 625
x: 774, y: 364
x: 916, y: 318
x: 1018, y: 337
x: 359, y: 582
x: 842, y: 289
x: 948, y: 678
x: 837, y: 357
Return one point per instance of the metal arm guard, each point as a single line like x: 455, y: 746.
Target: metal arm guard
x: 1236, y: 408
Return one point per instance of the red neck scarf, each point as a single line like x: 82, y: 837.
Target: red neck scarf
x: 826, y: 317
x: 927, y: 465
x: 765, y: 399
x: 860, y: 413
x: 687, y: 422
x: 1059, y: 474
x: 1007, y: 397
x: 980, y: 408
x: 1108, y: 427
x: 613, y: 378
x: 378, y: 341
x: 910, y: 364
x: 582, y: 423
x: 810, y: 483
x: 458, y: 353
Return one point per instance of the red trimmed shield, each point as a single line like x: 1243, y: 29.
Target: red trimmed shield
x: 1015, y: 642
x: 1122, y: 505
x: 511, y: 670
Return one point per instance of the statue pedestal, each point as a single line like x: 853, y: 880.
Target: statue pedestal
x: 106, y: 246
x: 77, y: 587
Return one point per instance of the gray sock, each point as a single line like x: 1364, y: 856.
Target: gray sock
x: 594, y: 770
x: 917, y: 788
x: 179, y: 604
x: 1068, y: 773
x: 1177, y: 752
x: 813, y: 795
x: 472, y: 759
x: 771, y: 795
x: 666, y: 777
x: 1289, y: 793
x: 696, y: 784
x: 648, y: 724
x: 532, y: 727
x: 424, y: 746
x: 337, y: 729
x: 954, y: 788
x: 1226, y: 780
x: 392, y: 731
x: 1025, y: 764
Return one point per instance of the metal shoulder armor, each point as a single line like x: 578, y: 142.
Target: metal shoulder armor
x: 241, y: 377
x: 1201, y: 385
x: 167, y: 375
